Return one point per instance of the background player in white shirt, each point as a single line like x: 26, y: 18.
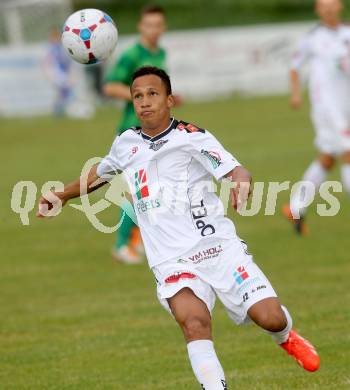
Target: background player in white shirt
x: 58, y: 70
x: 327, y: 50
x: 191, y: 247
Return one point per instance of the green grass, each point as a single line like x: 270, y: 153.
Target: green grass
x: 71, y: 319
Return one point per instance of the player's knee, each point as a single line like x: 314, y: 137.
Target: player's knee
x: 346, y: 158
x: 272, y: 320
x: 327, y: 161
x: 196, y: 328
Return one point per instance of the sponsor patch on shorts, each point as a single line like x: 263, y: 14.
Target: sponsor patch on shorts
x: 205, y: 254
x: 240, y: 274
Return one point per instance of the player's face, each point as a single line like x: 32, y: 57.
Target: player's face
x: 151, y: 102
x: 152, y: 26
x: 329, y: 10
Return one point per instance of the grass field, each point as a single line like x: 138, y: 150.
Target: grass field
x: 72, y: 319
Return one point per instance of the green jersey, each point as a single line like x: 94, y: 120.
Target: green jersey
x: 133, y: 58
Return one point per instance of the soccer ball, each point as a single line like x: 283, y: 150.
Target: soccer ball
x: 89, y: 36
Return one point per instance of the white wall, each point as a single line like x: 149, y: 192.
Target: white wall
x: 204, y: 64
x: 215, y: 62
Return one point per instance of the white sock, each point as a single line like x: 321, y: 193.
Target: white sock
x: 316, y: 175
x: 282, y: 336
x: 206, y: 365
x: 345, y: 177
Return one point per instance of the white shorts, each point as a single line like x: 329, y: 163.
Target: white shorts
x: 332, y: 126
x: 220, y: 268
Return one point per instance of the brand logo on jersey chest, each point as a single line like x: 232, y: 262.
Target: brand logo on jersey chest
x: 157, y: 145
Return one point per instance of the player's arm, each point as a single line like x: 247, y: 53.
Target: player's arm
x: 295, y: 86
x: 50, y: 202
x: 118, y: 78
x: 300, y: 57
x: 242, y: 179
x: 220, y: 163
x: 117, y: 90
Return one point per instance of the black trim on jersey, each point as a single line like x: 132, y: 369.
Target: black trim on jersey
x: 171, y: 127
x: 174, y: 124
x: 189, y: 127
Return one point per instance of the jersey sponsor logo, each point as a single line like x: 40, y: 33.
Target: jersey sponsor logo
x: 253, y: 291
x: 144, y: 205
x: 206, y: 254
x: 249, y: 283
x: 155, y: 146
x: 141, y: 184
x: 199, y: 212
x: 146, y: 188
x: 240, y: 275
x: 213, y: 157
x: 174, y: 278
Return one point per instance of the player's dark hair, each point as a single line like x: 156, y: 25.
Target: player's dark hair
x: 152, y: 9
x: 153, y: 70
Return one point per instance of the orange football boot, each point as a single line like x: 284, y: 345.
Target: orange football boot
x: 298, y: 223
x: 302, y: 351
x: 136, y: 241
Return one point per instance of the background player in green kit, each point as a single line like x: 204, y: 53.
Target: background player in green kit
x: 146, y: 51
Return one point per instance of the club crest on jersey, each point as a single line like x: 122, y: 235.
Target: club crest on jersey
x: 133, y: 151
x: 213, y: 157
x: 141, y: 184
x: 157, y: 145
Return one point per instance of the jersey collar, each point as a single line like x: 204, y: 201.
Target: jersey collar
x: 148, y: 51
x: 172, y: 126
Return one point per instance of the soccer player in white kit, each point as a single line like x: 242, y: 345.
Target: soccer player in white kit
x: 192, y: 248
x: 327, y: 50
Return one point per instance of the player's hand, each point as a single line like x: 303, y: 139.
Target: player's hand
x: 242, y: 187
x: 50, y: 204
x: 240, y: 195
x: 296, y: 101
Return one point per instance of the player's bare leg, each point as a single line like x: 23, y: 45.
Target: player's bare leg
x: 327, y: 161
x: 194, y: 318
x: 316, y: 174
x: 268, y: 314
x: 345, y: 170
x: 275, y: 319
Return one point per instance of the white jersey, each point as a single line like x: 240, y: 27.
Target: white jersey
x: 328, y: 53
x: 170, y: 179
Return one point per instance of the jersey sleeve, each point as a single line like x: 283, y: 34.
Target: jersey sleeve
x: 206, y: 149
x: 122, y: 70
x: 110, y: 165
x: 301, y: 54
